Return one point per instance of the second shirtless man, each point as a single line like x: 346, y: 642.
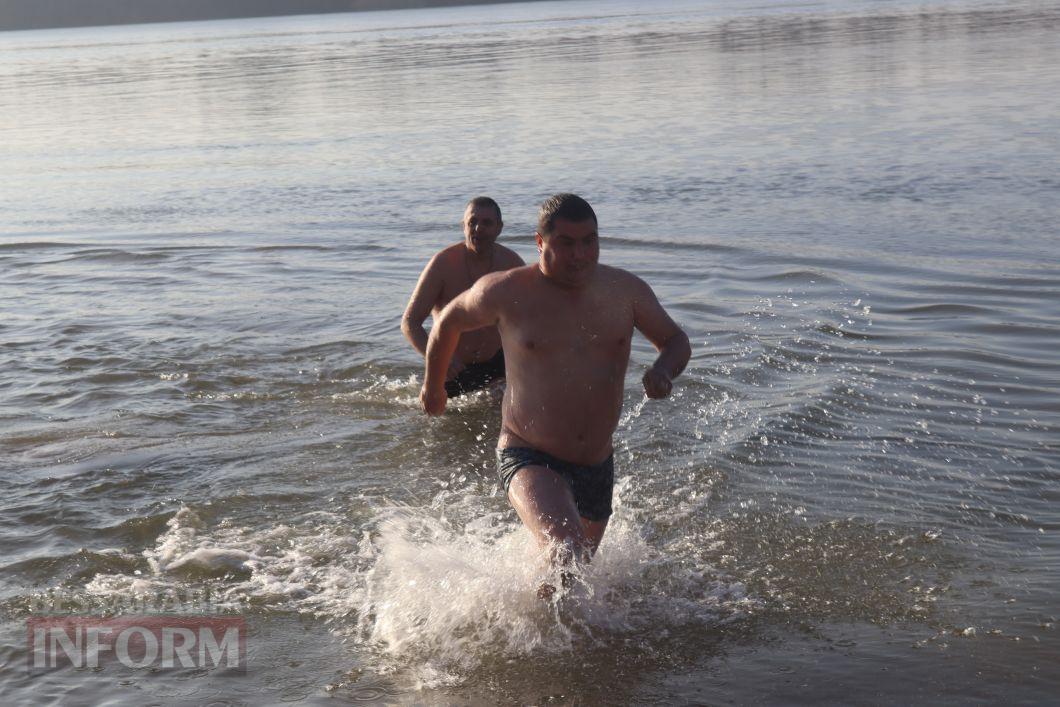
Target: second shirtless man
x: 565, y: 323
x: 478, y: 359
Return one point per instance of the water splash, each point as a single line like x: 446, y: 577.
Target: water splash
x: 444, y: 600
x: 437, y: 593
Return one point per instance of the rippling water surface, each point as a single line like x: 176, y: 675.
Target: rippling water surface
x: 208, y: 233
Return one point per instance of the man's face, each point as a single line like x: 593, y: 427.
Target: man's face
x: 569, y: 254
x: 481, y: 228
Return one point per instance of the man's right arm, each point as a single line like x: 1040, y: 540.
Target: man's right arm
x: 472, y: 309
x: 428, y: 291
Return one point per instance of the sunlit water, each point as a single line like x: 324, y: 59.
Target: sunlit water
x: 208, y: 233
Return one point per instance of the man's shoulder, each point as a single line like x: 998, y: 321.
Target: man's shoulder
x: 619, y: 285
x: 512, y: 277
x: 446, y: 261
x: 508, y: 257
x: 610, y: 276
x: 450, y: 253
x: 500, y: 288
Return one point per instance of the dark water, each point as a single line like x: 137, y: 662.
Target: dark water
x: 208, y: 233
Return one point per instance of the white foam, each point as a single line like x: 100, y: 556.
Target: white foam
x: 211, y: 560
x: 441, y: 599
x: 405, y: 393
x: 437, y: 591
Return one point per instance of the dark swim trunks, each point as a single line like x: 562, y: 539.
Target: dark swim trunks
x: 591, y: 485
x: 476, y: 376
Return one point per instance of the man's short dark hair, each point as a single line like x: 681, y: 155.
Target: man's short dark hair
x: 486, y: 201
x: 569, y: 207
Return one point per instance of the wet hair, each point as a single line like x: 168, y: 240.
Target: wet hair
x: 486, y: 201
x: 570, y: 207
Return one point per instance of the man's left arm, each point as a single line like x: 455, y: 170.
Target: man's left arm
x: 672, y: 343
x: 472, y: 309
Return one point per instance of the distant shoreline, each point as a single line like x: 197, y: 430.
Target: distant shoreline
x: 55, y: 14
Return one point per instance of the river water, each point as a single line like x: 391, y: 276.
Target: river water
x: 208, y: 232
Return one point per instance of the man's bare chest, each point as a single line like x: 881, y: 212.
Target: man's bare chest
x: 561, y: 328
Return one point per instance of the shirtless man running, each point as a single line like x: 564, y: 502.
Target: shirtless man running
x: 478, y: 358
x: 565, y: 323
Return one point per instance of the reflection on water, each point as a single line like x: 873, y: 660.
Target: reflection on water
x: 208, y: 235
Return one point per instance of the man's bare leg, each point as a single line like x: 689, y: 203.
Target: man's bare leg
x: 546, y: 506
x: 594, y: 533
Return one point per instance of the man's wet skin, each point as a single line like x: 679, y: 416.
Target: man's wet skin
x: 452, y: 271
x: 565, y: 323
